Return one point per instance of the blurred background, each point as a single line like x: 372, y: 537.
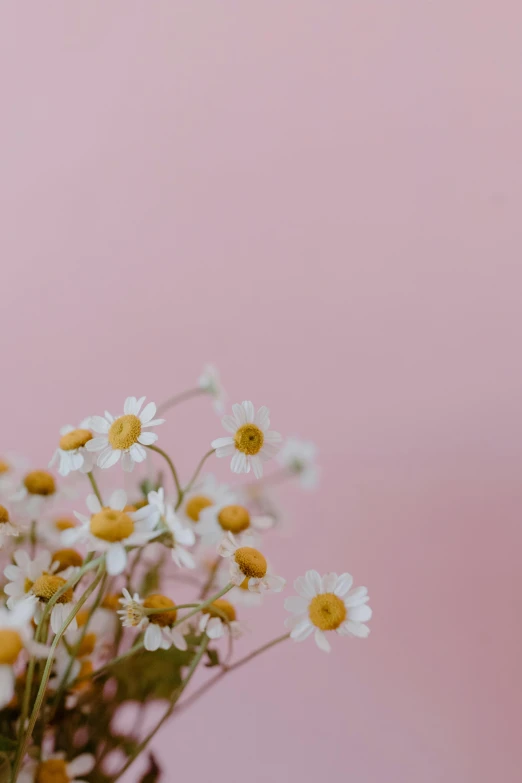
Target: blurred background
x: 323, y: 199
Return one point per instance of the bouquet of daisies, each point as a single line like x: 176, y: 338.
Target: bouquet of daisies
x: 90, y: 613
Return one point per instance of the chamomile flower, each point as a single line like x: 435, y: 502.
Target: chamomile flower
x: 229, y: 516
x: 124, y: 437
x: 181, y: 536
x: 44, y: 588
x: 36, y: 494
x: 240, y: 595
x: 210, y: 382
x: 51, y: 530
x: 11, y: 465
x: 71, y: 453
x: 54, y: 768
x: 111, y: 529
x: 219, y: 618
x: 24, y: 573
x: 249, y: 563
x: 298, y: 456
x: 158, y: 633
x: 327, y: 603
x: 209, y: 492
x: 251, y: 442
x: 15, y: 635
x: 7, y: 528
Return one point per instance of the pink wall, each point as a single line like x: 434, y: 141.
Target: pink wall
x: 324, y: 199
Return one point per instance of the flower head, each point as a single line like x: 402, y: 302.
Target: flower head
x: 53, y: 768
x: 208, y: 492
x: 251, y: 442
x: 327, y: 603
x: 124, y: 437
x: 111, y: 529
x: 219, y: 618
x: 15, y: 635
x: 36, y: 494
x: 24, y: 573
x: 229, y: 516
x: 298, y: 456
x: 210, y: 382
x: 246, y: 562
x: 7, y: 527
x: 159, y: 632
x: 71, y: 453
x: 181, y: 536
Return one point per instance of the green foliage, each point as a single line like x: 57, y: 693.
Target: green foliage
x: 150, y: 675
x: 7, y: 745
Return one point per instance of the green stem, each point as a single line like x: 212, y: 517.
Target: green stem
x: 170, y: 608
x: 200, y: 607
x: 32, y: 538
x: 177, y: 398
x: 47, y: 672
x: 177, y: 693
x: 198, y: 470
x: 172, y: 470
x: 94, y: 485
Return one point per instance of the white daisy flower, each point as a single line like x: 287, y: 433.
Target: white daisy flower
x: 44, y: 588
x: 110, y: 529
x: 249, y: 563
x: 238, y: 595
x: 11, y: 465
x: 37, y: 493
x: 124, y: 437
x: 158, y: 633
x: 15, y: 635
x: 298, y: 456
x: 251, y: 442
x: 208, y: 492
x: 71, y: 453
x: 50, y: 531
x: 7, y: 528
x: 214, y: 624
x: 327, y: 603
x: 181, y: 535
x: 210, y: 382
x: 25, y: 573
x: 229, y: 516
x: 54, y: 767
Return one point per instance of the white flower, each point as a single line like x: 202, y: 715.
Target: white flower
x: 71, y: 453
x: 15, y: 635
x: 220, y: 618
x: 298, y: 456
x: 228, y: 516
x: 210, y: 382
x: 327, y: 603
x: 37, y: 493
x: 249, y: 563
x: 10, y: 466
x: 182, y: 536
x: 7, y: 528
x: 25, y: 573
x: 208, y: 492
x: 238, y: 595
x: 54, y: 767
x: 111, y: 529
x: 251, y: 442
x: 158, y: 632
x: 124, y: 437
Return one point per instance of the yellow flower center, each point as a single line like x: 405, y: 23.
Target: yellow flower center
x: 82, y: 617
x: 52, y: 771
x: 249, y: 439
x: 160, y: 602
x: 87, y: 646
x: 196, y: 505
x: 111, y: 602
x: 48, y: 585
x: 5, y: 467
x: 327, y: 611
x: 234, y: 518
x: 4, y: 515
x: 10, y: 646
x: 40, y: 482
x: 75, y: 439
x: 64, y: 524
x: 27, y: 585
x: 67, y: 558
x: 111, y: 525
x: 221, y: 607
x: 125, y: 431
x: 251, y: 562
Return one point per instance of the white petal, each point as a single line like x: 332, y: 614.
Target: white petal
x: 148, y: 413
x: 274, y: 583
x: 178, y: 640
x: 225, y: 451
x: 71, y: 536
x: 127, y: 462
x: 329, y: 582
x: 129, y: 406
x: 360, y: 614
x: 262, y: 418
x: 138, y: 453
x: 118, y: 500
x: 108, y: 458
x: 315, y: 582
x: 344, y: 583
x: 99, y: 424
x: 257, y: 466
x: 250, y: 411
x: 321, y: 641
x: 239, y: 414
x: 303, y: 588
x: 219, y: 443
x: 116, y: 559
x: 97, y: 444
x: 155, y: 422
x: 21, y: 558
x: 229, y: 423
x: 153, y: 637
x: 355, y: 629
x: 357, y: 596
x: 81, y: 765
x: 7, y: 681
x: 148, y: 438
x: 93, y: 504
x: 215, y: 628
x: 302, y: 629
x: 238, y: 463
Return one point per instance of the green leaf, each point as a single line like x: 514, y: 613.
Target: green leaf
x: 213, y: 658
x: 7, y: 745
x: 152, y: 775
x: 151, y: 675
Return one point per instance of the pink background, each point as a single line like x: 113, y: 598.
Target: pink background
x: 324, y: 199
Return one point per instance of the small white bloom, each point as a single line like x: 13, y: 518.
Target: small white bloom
x: 249, y: 563
x: 111, y: 529
x: 11, y: 465
x: 327, y: 603
x: 182, y: 536
x: 54, y: 766
x: 132, y: 615
x: 208, y: 492
x: 251, y: 442
x: 229, y: 516
x: 158, y: 633
x: 219, y: 619
x: 238, y: 595
x: 71, y: 453
x: 298, y: 456
x: 7, y: 528
x: 210, y: 382
x: 37, y: 493
x: 15, y: 635
x: 24, y: 574
x: 124, y: 437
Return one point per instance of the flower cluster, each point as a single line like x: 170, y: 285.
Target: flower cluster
x: 123, y: 595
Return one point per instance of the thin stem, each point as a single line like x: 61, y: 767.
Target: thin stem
x: 177, y: 398
x: 172, y: 469
x: 94, y: 485
x: 170, y: 608
x: 198, y: 470
x: 32, y: 537
x: 204, y: 605
x: 257, y: 652
x: 47, y: 672
x: 143, y: 744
